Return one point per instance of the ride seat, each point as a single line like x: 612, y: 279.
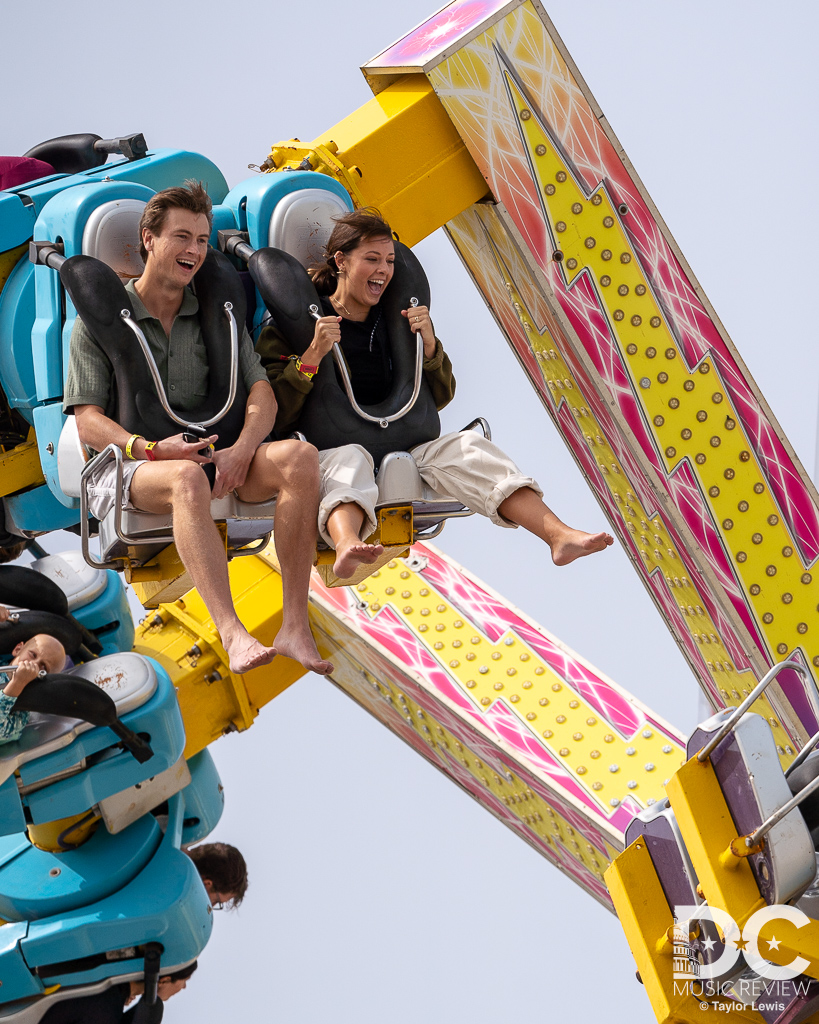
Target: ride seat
x: 302, y: 221
x: 111, y: 235
x: 62, y: 766
x: 134, y: 537
x: 750, y: 776
x: 165, y: 902
x: 129, y: 679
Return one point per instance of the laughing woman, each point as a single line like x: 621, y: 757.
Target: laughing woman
x: 352, y: 282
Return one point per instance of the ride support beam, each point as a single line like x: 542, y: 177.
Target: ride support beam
x: 399, y: 153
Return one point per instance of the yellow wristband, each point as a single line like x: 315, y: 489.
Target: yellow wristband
x: 129, y: 448
x: 307, y: 371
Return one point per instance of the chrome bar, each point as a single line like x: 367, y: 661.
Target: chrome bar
x: 110, y: 450
x: 761, y: 686
x: 803, y: 754
x: 125, y: 315
x: 777, y: 816
x: 483, y: 423
x: 382, y: 421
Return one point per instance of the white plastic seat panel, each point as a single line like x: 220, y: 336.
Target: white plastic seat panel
x: 111, y: 234
x: 71, y: 457
x: 81, y: 583
x: 128, y: 678
x: 302, y: 222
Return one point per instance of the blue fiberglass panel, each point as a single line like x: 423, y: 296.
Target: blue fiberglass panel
x: 18, y: 981
x: 16, y: 318
x: 114, y: 771
x: 161, y: 168
x: 254, y: 200
x: 29, y: 890
x: 64, y: 217
x: 38, y: 511
x: 204, y: 798
x: 110, y: 609
x: 165, y: 903
x: 16, y: 221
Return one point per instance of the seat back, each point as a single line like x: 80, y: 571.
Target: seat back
x: 100, y: 220
x: 54, y: 779
x: 750, y: 776
x: 111, y: 235
x: 292, y: 211
x: 164, y: 902
x: 302, y: 222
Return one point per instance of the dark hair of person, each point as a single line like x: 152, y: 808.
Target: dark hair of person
x: 182, y: 974
x: 349, y: 232
x: 12, y: 552
x: 191, y: 196
x: 224, y: 866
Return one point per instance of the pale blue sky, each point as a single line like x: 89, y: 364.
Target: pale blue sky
x: 379, y: 892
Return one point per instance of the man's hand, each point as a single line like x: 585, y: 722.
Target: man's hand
x: 232, y: 465
x: 420, y: 322
x: 26, y: 671
x: 4, y: 613
x: 177, y: 448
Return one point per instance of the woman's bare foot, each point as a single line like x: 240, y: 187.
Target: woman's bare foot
x: 575, y: 544
x: 350, y: 556
x: 246, y: 653
x: 301, y: 647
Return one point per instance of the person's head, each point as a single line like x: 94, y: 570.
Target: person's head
x: 11, y: 552
x: 360, y: 257
x: 43, y: 649
x: 223, y: 872
x: 174, y: 230
x: 168, y: 984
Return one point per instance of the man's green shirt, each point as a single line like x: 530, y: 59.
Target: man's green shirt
x: 182, y: 360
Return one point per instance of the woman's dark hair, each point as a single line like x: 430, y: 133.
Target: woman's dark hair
x: 182, y: 974
x: 350, y: 231
x: 224, y: 866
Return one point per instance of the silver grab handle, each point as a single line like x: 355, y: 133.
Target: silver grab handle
x: 803, y: 754
x: 111, y: 451
x: 125, y: 315
x: 761, y: 686
x: 382, y: 421
x: 777, y: 816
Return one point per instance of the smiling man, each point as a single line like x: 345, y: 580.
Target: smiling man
x: 164, y: 474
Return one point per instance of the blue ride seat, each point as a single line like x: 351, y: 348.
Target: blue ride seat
x: 61, y: 766
x: 36, y: 883
x: 292, y: 211
x: 100, y: 220
x: 96, y: 598
x: 164, y: 902
x: 33, y: 357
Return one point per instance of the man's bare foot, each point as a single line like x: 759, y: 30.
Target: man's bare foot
x: 350, y: 556
x: 301, y: 647
x: 246, y: 653
x: 575, y: 544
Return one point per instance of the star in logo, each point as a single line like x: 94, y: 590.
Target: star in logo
x: 740, y: 944
x: 709, y: 944
x: 773, y: 942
